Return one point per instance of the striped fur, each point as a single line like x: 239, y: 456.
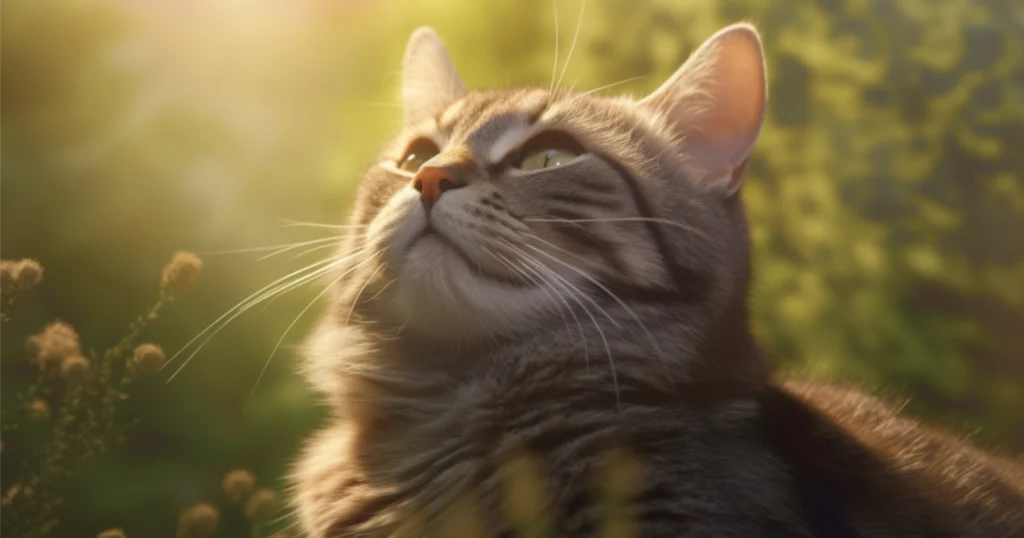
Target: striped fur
x: 576, y: 311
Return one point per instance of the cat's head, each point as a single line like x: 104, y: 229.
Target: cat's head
x: 492, y: 213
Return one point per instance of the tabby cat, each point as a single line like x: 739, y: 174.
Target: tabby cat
x: 566, y: 275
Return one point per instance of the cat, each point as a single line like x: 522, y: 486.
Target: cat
x: 566, y: 275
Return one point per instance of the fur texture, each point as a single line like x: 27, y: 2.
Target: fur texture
x: 595, y: 306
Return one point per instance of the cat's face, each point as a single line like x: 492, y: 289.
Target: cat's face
x: 494, y: 211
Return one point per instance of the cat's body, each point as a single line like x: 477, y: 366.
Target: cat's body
x: 566, y: 276
x: 793, y: 461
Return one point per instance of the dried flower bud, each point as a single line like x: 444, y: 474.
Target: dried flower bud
x: 112, y: 533
x: 147, y: 359
x: 39, y: 409
x: 50, y: 346
x: 74, y: 367
x: 525, y: 493
x: 261, y: 505
x: 13, y: 493
x: 238, y: 484
x: 29, y: 274
x: 200, y: 521
x: 180, y: 274
x: 623, y: 475
x: 8, y: 276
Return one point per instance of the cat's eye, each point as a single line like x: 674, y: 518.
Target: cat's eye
x: 419, y: 152
x: 549, y: 150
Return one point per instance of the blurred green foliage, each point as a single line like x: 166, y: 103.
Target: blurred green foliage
x: 886, y: 193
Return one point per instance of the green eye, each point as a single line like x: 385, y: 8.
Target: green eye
x: 419, y: 152
x: 549, y: 150
x: 547, y: 158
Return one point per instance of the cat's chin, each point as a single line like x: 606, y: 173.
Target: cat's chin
x: 444, y: 297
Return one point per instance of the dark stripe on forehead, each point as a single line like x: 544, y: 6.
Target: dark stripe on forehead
x: 688, y: 283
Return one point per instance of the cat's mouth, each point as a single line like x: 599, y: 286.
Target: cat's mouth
x: 429, y: 231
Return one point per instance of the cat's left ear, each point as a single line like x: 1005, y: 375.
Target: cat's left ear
x: 716, y: 103
x: 429, y: 80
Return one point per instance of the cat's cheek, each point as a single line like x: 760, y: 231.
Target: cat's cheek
x: 397, y: 226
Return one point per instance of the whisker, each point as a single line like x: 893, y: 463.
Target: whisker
x: 666, y: 222
x: 283, y: 288
x: 384, y: 287
x: 296, y: 320
x: 540, y: 284
x: 309, y: 267
x: 269, y: 247
x: 361, y: 289
x: 398, y: 332
x: 595, y: 282
x: 612, y: 85
x: 526, y: 255
x: 313, y: 249
x: 277, y: 287
x: 289, y: 223
x: 554, y: 68
x: 579, y: 24
x: 329, y: 240
x: 544, y: 284
x: 604, y: 340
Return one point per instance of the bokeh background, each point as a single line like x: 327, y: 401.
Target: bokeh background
x: 886, y: 193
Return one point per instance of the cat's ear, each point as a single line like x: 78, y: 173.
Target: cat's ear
x: 716, y: 103
x: 429, y: 80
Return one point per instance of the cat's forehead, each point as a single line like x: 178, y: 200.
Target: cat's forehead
x: 486, y: 113
x: 491, y: 123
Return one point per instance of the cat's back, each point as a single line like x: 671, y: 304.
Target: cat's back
x: 864, y: 469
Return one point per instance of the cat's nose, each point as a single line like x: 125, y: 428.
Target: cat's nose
x: 432, y: 182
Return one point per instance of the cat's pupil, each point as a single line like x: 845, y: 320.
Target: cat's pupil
x: 413, y: 162
x: 419, y: 152
x: 548, y: 158
x: 554, y: 158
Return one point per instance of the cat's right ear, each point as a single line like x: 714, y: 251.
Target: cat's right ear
x: 715, y: 103
x: 429, y: 80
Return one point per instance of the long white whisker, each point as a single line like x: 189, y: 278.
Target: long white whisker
x: 289, y: 223
x: 384, y: 287
x: 595, y: 282
x: 527, y: 256
x: 283, y: 288
x: 398, y: 331
x: 269, y: 247
x: 312, y: 249
x: 604, y: 340
x: 666, y: 222
x: 612, y: 85
x: 554, y: 68
x: 540, y: 284
x: 329, y: 240
x: 276, y: 287
x: 579, y: 24
x: 298, y: 317
x: 361, y: 289
x: 544, y: 284
x: 309, y: 267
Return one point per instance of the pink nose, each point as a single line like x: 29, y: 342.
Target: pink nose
x: 432, y: 182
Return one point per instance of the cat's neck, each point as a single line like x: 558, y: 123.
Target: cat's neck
x: 402, y: 377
